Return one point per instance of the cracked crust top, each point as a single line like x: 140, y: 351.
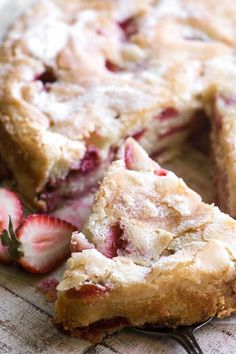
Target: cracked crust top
x: 158, y: 213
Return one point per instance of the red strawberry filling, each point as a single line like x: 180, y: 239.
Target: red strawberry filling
x: 161, y: 172
x: 114, y: 242
x: 81, y: 180
x: 98, y: 330
x: 90, y: 160
x: 112, y: 66
x: 129, y: 27
x: 168, y: 113
x: 47, y: 77
x: 87, y: 291
x: 137, y: 136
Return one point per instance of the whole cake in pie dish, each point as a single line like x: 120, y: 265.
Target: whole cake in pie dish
x: 78, y: 77
x: 151, y: 252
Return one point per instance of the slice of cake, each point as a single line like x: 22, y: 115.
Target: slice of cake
x: 151, y: 252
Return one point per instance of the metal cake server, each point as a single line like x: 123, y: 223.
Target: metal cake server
x: 184, y: 335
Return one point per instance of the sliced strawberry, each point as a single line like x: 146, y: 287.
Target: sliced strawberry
x: 10, y: 205
x: 40, y: 243
x: 114, y: 242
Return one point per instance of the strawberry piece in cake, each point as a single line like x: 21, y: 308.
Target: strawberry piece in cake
x: 39, y: 244
x: 162, y: 256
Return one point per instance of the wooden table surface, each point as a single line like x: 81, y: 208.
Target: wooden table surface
x: 26, y: 317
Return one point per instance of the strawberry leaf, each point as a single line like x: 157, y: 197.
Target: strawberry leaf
x: 5, y: 239
x: 10, y: 240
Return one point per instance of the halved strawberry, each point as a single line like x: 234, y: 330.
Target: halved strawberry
x: 10, y: 205
x: 40, y: 243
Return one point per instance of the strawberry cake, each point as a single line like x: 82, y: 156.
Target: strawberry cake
x: 79, y: 77
x: 151, y: 252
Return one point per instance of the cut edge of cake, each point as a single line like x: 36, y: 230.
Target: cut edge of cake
x: 168, y: 260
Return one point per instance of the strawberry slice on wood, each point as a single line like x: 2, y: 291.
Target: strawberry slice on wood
x: 10, y: 205
x: 40, y: 243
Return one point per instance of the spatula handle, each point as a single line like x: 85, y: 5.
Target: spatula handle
x: 188, y: 341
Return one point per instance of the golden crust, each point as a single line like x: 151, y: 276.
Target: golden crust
x: 171, y: 300
x: 97, y: 97
x: 174, y: 261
